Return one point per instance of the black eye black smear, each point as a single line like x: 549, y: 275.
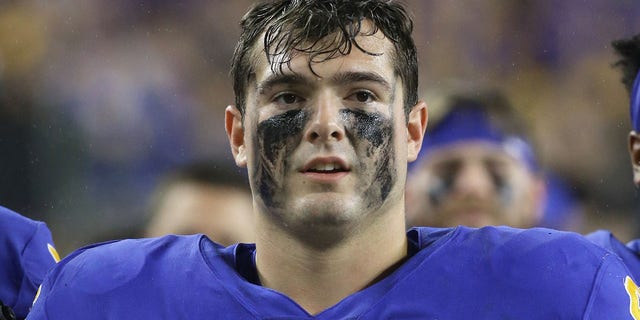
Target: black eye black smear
x: 277, y: 137
x: 501, y: 185
x: 438, y: 190
x: 371, y: 134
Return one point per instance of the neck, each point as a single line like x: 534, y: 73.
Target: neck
x: 318, y: 278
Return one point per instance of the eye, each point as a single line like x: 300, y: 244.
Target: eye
x: 497, y: 172
x: 448, y: 172
x: 363, y: 97
x: 287, y: 98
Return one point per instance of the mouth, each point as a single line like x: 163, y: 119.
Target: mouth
x: 326, y: 169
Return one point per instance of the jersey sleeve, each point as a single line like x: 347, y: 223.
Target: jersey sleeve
x: 38, y: 310
x: 615, y: 293
x: 39, y: 255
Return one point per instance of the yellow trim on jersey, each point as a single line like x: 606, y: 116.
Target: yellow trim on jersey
x: 53, y: 252
x: 634, y: 297
x: 37, y: 295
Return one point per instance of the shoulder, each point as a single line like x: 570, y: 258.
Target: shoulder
x: 130, y: 255
x: 564, y: 271
x: 528, y: 240
x: 26, y: 240
x: 129, y: 277
x: 27, y: 254
x: 605, y: 239
x: 113, y: 266
x: 15, y: 225
x: 25, y: 236
x: 629, y: 253
x: 503, y: 237
x: 545, y: 245
x: 534, y: 251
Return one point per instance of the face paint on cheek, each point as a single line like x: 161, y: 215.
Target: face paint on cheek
x: 437, y: 191
x: 371, y: 134
x: 503, y: 187
x: 442, y: 182
x: 506, y: 194
x: 276, y: 139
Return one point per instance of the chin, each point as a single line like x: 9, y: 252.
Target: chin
x: 327, y: 208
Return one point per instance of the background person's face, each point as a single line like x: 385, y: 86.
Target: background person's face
x: 224, y: 214
x: 473, y: 184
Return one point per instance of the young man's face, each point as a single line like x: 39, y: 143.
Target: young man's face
x: 324, y: 149
x: 474, y: 184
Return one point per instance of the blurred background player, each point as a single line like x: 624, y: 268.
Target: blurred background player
x: 628, y: 50
x: 26, y: 255
x: 203, y: 197
x: 477, y: 167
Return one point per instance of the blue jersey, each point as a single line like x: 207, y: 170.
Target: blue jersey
x: 26, y: 254
x: 629, y: 252
x: 460, y: 273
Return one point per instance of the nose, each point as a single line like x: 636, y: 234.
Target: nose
x: 473, y: 178
x: 325, y: 124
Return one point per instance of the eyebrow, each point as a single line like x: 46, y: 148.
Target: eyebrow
x: 341, y: 79
x: 282, y: 79
x: 345, y: 78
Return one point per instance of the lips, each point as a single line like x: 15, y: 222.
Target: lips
x: 325, y: 165
x: 326, y: 168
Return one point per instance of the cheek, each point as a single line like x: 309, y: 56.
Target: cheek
x: 276, y: 138
x: 279, y: 133
x: 515, y: 187
x: 373, y: 128
x: 371, y: 135
x: 522, y: 189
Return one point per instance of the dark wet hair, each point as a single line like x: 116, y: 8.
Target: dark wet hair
x: 628, y: 50
x: 324, y: 29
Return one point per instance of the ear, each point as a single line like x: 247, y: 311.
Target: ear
x: 634, y: 154
x: 235, y: 133
x: 416, y: 126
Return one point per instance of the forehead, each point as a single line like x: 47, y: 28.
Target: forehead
x: 322, y: 66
